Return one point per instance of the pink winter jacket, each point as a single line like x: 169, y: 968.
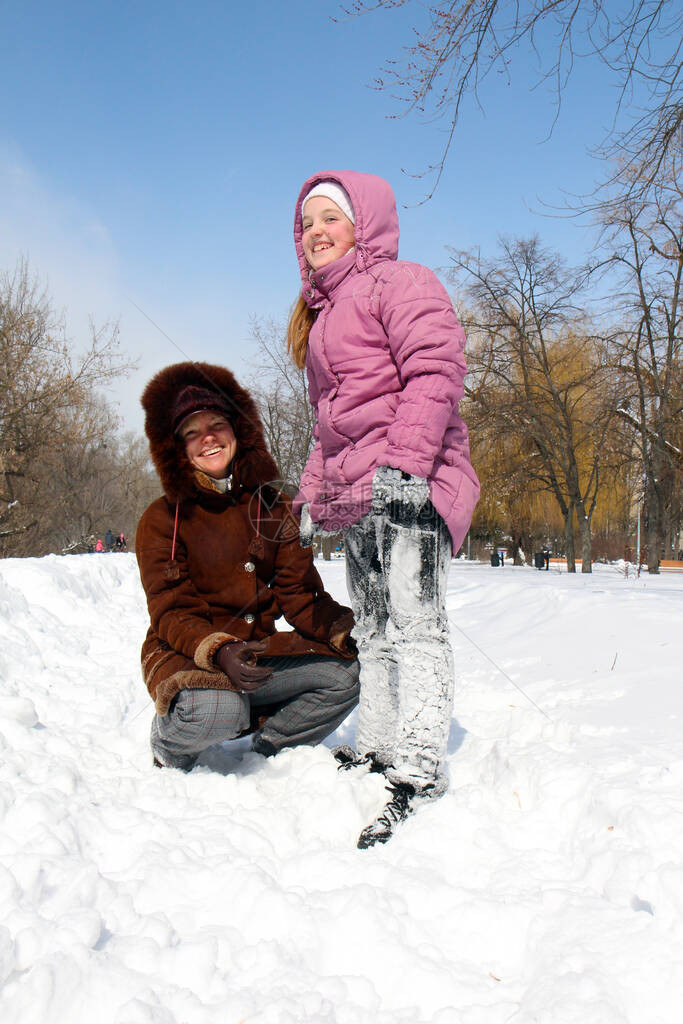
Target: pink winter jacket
x: 385, y: 370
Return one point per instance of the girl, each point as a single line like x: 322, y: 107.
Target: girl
x: 390, y: 467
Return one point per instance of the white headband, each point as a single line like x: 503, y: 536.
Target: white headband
x: 336, y: 193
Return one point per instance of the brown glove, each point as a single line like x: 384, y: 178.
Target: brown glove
x: 340, y: 635
x: 238, y: 660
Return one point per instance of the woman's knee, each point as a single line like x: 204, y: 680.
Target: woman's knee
x: 341, y: 675
x: 207, y: 713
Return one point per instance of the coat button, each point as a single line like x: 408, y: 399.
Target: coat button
x: 249, y: 566
x: 249, y: 618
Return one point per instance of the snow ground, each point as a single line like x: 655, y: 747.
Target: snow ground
x: 545, y: 887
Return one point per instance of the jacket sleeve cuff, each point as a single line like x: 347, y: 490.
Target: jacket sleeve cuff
x: 206, y: 649
x: 398, y: 456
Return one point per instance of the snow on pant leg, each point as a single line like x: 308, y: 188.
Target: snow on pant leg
x: 312, y: 694
x: 378, y: 705
x: 196, y: 720
x: 416, y: 560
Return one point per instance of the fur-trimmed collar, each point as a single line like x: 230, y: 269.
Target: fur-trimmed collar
x: 253, y: 464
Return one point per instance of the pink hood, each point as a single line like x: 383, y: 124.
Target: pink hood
x: 376, y: 226
x: 385, y: 369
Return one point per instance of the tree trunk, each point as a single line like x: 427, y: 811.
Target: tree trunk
x: 518, y: 556
x: 584, y: 524
x: 569, y: 539
x: 652, y: 544
x: 586, y: 544
x: 654, y: 527
x: 328, y: 546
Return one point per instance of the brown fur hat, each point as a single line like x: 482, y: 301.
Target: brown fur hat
x: 253, y: 464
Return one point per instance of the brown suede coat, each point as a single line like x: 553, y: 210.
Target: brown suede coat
x: 232, y: 564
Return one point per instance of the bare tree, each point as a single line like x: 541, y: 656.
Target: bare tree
x: 540, y: 374
x: 462, y: 43
x: 644, y: 243
x: 281, y: 392
x: 44, y: 388
x: 95, y: 480
x: 515, y: 506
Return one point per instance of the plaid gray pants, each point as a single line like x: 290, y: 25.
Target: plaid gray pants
x: 312, y: 696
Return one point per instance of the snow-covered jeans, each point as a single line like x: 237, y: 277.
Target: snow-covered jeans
x: 307, y: 698
x: 397, y: 576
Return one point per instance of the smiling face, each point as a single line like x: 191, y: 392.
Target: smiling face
x: 210, y: 443
x: 327, y: 232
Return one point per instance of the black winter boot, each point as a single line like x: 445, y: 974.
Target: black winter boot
x: 262, y: 746
x: 348, y: 758
x: 396, y: 809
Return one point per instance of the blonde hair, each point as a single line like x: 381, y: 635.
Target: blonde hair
x: 298, y: 329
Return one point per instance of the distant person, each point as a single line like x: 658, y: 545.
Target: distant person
x: 109, y: 540
x: 390, y: 468
x: 220, y: 561
x: 99, y: 546
x: 546, y: 558
x: 121, y: 543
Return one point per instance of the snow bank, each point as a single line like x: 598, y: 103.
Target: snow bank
x: 546, y: 886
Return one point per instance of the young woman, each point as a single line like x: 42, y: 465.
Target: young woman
x: 383, y: 351
x: 220, y: 561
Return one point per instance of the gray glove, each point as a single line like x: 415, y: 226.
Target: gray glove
x: 394, y: 487
x: 307, y: 528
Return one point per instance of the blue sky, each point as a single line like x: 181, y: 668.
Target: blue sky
x: 151, y: 154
